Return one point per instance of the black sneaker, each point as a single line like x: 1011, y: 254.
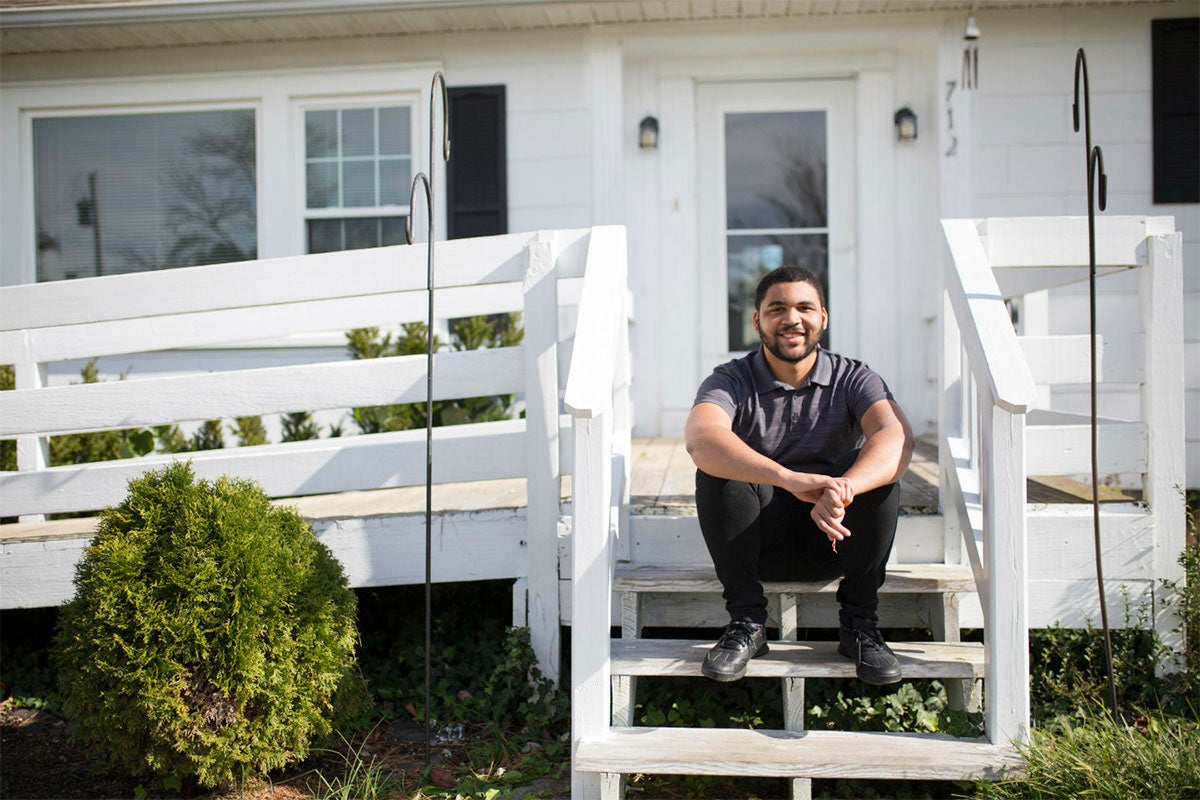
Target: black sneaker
x: 741, y: 641
x: 874, y: 661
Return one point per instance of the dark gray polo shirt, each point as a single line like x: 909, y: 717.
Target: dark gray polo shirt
x: 807, y: 429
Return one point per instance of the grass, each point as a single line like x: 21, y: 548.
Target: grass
x: 1157, y: 756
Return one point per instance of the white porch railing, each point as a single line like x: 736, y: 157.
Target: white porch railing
x: 991, y: 415
x: 537, y: 274
x: 597, y: 398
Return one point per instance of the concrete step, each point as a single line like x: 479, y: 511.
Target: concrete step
x: 682, y: 658
x: 784, y: 754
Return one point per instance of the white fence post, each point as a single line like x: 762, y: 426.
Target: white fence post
x: 1161, y: 294
x: 1006, y: 599
x: 591, y: 586
x: 33, y: 452
x: 541, y: 454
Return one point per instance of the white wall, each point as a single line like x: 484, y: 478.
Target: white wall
x: 1018, y: 155
x: 890, y: 63
x: 1027, y: 160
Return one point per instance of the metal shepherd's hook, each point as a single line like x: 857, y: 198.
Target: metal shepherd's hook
x: 1095, y: 168
x: 427, y: 181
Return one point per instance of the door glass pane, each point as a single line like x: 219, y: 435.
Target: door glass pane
x: 775, y: 191
x: 751, y: 257
x: 775, y: 170
x: 136, y: 192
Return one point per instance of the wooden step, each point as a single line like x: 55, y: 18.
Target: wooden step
x: 785, y: 754
x: 901, y: 579
x: 678, y: 657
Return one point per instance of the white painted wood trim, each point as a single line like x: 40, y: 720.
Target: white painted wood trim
x: 1161, y: 298
x: 608, y: 127
x: 818, y: 754
x: 1024, y: 242
x: 339, y: 384
x: 1006, y: 608
x: 482, y: 451
x: 540, y: 370
x: 266, y: 324
x: 987, y: 333
x: 461, y: 262
x: 1065, y: 359
x: 591, y: 581
x: 593, y: 360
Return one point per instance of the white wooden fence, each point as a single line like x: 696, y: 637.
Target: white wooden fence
x: 995, y: 430
x: 543, y: 275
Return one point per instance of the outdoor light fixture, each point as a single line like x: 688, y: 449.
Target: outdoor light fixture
x: 906, y: 125
x: 648, y: 133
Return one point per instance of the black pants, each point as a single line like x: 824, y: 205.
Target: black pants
x: 756, y: 532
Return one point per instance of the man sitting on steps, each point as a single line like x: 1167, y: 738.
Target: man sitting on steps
x: 798, y: 453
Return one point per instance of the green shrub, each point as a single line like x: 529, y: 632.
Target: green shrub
x: 468, y: 333
x: 249, y: 431
x: 209, y: 632
x: 1155, y: 757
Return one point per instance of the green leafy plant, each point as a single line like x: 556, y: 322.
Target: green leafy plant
x: 469, y: 333
x: 299, y: 426
x: 85, y: 448
x: 211, y: 634
x: 8, y: 447
x: 1099, y: 757
x: 249, y: 431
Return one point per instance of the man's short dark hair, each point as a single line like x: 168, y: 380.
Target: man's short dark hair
x: 788, y: 273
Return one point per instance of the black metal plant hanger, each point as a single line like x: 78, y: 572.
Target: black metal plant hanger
x: 427, y: 181
x: 1095, y: 168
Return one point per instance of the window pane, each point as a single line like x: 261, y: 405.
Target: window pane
x: 775, y: 170
x: 322, y: 185
x: 395, y: 131
x: 395, y: 182
x: 134, y: 192
x: 751, y: 257
x: 355, y: 233
x: 392, y: 231
x: 320, y: 134
x: 359, y: 186
x: 358, y: 132
x: 362, y: 233
x: 324, y: 235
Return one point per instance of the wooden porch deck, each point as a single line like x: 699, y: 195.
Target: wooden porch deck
x: 661, y: 484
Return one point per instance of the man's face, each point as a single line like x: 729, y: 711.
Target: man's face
x: 790, y: 321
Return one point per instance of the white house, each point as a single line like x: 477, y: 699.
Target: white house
x: 883, y: 143
x: 776, y: 139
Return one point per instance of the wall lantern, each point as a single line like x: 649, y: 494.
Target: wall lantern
x: 906, y: 125
x: 648, y: 133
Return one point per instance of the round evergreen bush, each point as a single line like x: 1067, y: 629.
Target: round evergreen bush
x: 209, y: 633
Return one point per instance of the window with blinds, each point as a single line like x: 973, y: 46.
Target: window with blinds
x: 134, y: 192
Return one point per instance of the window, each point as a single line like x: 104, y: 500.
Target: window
x: 134, y: 192
x: 1175, y: 45
x: 775, y: 205
x: 357, y: 176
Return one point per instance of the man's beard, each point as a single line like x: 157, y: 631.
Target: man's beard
x: 772, y: 344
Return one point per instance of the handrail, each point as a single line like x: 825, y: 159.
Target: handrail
x: 997, y: 361
x: 594, y: 358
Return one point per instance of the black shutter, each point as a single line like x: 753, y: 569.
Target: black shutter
x: 1175, y: 48
x: 477, y: 175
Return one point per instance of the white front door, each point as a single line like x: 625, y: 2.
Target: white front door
x: 776, y: 186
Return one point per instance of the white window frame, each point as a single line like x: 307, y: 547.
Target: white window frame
x: 411, y: 99
x: 272, y: 94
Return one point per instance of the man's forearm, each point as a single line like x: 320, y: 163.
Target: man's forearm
x: 883, y: 459
x: 723, y: 455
